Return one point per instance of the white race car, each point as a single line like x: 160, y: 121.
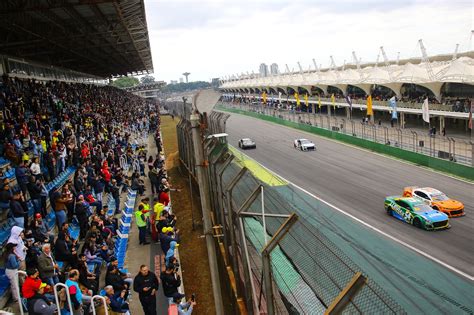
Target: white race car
x: 304, y: 145
x: 247, y: 143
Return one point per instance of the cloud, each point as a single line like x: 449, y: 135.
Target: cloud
x: 217, y: 37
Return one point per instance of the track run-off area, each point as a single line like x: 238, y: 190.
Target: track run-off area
x: 426, y: 272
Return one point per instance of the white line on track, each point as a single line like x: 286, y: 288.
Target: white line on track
x: 446, y: 265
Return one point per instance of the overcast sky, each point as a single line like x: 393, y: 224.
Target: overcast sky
x: 215, y: 38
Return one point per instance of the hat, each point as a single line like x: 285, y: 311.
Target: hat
x: 38, y: 215
x: 178, y: 296
x: 42, y: 285
x: 164, y: 229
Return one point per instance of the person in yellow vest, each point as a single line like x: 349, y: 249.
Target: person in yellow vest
x: 157, y: 209
x: 141, y: 224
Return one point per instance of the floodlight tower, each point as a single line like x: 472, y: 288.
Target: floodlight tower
x: 186, y: 74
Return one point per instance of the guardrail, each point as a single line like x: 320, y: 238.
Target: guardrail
x: 363, y: 102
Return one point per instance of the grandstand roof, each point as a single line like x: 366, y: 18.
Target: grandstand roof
x: 431, y: 74
x: 99, y: 37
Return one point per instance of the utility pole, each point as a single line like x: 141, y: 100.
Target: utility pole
x: 203, y: 183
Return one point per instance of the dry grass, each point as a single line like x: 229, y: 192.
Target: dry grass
x: 193, y: 253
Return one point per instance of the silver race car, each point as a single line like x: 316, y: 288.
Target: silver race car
x: 304, y: 145
x: 247, y: 143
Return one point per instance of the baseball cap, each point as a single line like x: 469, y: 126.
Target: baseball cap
x: 38, y: 215
x: 42, y: 285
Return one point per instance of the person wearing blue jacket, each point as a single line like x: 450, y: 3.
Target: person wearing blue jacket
x: 170, y: 253
x: 12, y: 264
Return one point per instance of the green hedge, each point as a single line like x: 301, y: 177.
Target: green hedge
x: 460, y: 170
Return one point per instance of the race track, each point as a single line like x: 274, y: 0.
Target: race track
x: 357, y: 182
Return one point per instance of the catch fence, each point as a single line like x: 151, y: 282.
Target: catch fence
x: 448, y: 148
x: 277, y: 261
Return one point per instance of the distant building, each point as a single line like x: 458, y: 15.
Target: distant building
x: 173, y: 82
x: 263, y: 70
x: 215, y: 82
x: 274, y: 69
x: 181, y: 80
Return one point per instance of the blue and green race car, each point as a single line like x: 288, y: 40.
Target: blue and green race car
x: 416, y: 212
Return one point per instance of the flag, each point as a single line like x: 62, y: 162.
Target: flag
x: 333, y: 100
x: 470, y: 115
x: 319, y: 102
x: 370, y: 112
x: 306, y: 100
x: 393, y: 105
x: 349, y: 101
x: 279, y: 97
x: 425, y: 111
x: 297, y: 98
x: 264, y: 97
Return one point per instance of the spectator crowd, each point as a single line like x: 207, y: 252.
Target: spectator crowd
x: 48, y: 128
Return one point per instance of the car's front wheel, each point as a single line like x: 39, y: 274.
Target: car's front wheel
x: 417, y: 223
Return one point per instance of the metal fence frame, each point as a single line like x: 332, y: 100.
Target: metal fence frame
x: 252, y: 269
x: 448, y: 148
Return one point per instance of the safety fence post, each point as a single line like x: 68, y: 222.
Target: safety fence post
x: 104, y: 304
x: 56, y: 296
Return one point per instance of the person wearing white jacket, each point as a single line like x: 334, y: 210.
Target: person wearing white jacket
x: 16, y: 237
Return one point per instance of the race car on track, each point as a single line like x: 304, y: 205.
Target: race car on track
x: 436, y: 199
x: 416, y: 212
x: 247, y: 143
x: 304, y: 145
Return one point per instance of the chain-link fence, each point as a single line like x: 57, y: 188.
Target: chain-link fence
x: 448, y: 148
x: 279, y: 262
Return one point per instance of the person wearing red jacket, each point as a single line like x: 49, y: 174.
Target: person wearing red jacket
x: 32, y: 283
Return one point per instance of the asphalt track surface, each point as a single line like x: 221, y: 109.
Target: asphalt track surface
x: 357, y: 181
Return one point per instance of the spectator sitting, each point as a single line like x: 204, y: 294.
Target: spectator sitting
x: 116, y: 301
x: 63, y: 251
x: 86, y: 278
x: 40, y: 230
x: 39, y: 304
x: 48, y: 268
x: 114, y: 278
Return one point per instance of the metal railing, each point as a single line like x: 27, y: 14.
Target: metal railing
x: 56, y: 297
x: 104, y: 304
x: 447, y: 148
x: 383, y: 103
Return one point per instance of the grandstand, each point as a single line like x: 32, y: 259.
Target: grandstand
x: 447, y: 81
x: 72, y: 152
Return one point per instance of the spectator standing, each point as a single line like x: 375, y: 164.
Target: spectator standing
x: 170, y: 282
x: 146, y: 284
x: 140, y: 219
x: 184, y: 308
x: 16, y: 237
x: 17, y: 210
x: 21, y: 174
x: 35, y: 168
x: 35, y: 193
x: 12, y: 263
